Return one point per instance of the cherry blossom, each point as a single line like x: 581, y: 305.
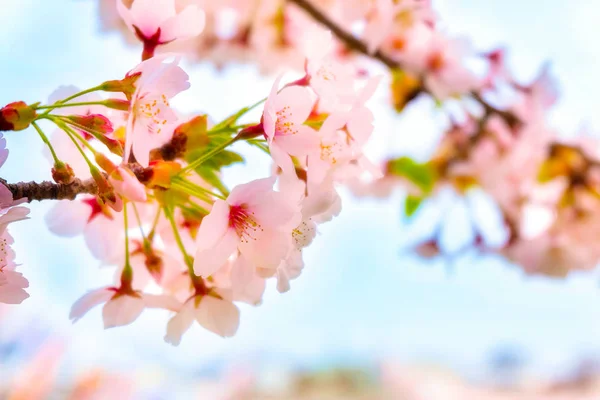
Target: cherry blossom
x: 212, y: 312
x: 151, y: 119
x: 157, y: 22
x: 253, y: 219
x: 283, y: 118
x: 121, y: 307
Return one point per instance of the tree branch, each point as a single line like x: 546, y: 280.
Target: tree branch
x: 47, y: 190
x: 353, y: 43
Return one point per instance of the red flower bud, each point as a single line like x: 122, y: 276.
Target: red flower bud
x: 95, y: 122
x: 16, y: 116
x: 63, y: 173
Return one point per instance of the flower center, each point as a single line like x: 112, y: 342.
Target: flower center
x: 242, y: 220
x: 152, y: 110
x: 284, y: 126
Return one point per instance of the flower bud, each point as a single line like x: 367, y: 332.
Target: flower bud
x: 106, y: 193
x: 162, y: 173
x: 95, y: 122
x: 125, y: 85
x: 117, y: 104
x: 63, y: 173
x: 16, y: 116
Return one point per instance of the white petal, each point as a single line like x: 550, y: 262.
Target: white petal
x: 208, y: 261
x: 122, y: 310
x: 180, y: 323
x: 218, y: 316
x: 89, y: 301
x: 68, y: 218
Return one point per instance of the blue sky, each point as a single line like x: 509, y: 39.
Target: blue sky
x: 360, y: 298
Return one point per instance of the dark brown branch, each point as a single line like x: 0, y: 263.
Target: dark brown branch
x: 356, y: 44
x: 346, y: 37
x: 47, y: 190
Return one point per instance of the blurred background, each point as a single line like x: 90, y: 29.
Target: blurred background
x: 367, y: 316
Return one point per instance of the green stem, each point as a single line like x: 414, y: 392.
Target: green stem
x: 189, y: 190
x: 188, y: 259
x: 204, y: 157
x: 154, y: 225
x: 200, y: 189
x: 78, y: 94
x: 139, y: 220
x: 127, y: 274
x: 45, y: 140
x: 61, y: 105
x: 71, y: 134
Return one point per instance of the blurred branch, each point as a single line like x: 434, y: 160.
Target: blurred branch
x: 353, y: 43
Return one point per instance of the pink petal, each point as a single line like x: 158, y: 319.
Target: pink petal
x: 281, y: 158
x: 148, y: 15
x: 209, y: 260
x: 218, y: 316
x: 101, y: 234
x: 127, y: 185
x: 277, y: 209
x: 249, y: 193
x: 89, y: 301
x: 13, y: 215
x: 242, y: 273
x: 213, y: 226
x: 268, y: 249
x: 12, y: 294
x: 125, y: 14
x: 300, y: 103
x: 188, y: 23
x: 360, y: 125
x: 122, y: 310
x: 180, y: 323
x: 305, y: 141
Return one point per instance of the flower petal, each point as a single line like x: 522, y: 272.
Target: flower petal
x: 89, y: 301
x: 122, y: 310
x: 218, y: 316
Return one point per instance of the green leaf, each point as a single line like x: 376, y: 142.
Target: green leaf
x: 211, y: 176
x: 412, y: 204
x: 421, y: 174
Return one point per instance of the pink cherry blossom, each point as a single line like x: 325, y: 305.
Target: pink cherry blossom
x: 218, y: 315
x: 331, y: 80
x: 283, y: 118
x: 157, y: 22
x: 121, y: 307
x: 151, y: 120
x: 342, y: 136
x: 254, y: 220
x: 102, y: 227
x: 442, y: 61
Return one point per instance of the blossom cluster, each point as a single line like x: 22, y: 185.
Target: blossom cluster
x: 497, y: 141
x: 159, y: 211
x: 142, y: 183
